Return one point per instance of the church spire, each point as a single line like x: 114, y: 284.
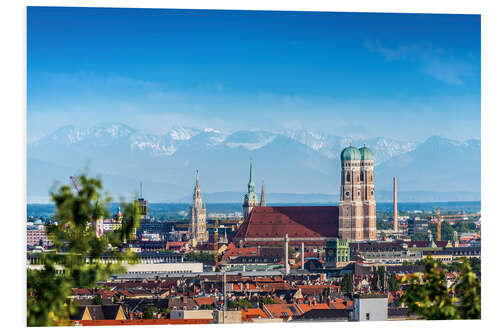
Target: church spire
x: 251, y: 184
x: 262, y: 196
x: 197, y: 231
x: 197, y: 201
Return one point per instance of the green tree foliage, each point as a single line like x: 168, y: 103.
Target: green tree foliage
x: 384, y: 225
x: 200, y: 257
x: 419, y: 237
x: 148, y: 312
x: 77, y: 262
x: 475, y: 264
x: 468, y: 291
x: 446, y: 231
x: 267, y: 300
x: 394, y: 284
x: 97, y: 300
x: 240, y: 303
x: 464, y: 227
x: 378, y: 279
x: 375, y: 282
x: 429, y: 297
x: 382, y: 277
x: 347, y: 283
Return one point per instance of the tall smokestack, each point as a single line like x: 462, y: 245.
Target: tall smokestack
x: 395, y: 201
x: 287, y: 267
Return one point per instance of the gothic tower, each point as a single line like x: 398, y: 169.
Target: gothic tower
x: 198, y: 227
x: 251, y: 200
x: 351, y: 215
x: 262, y: 196
x: 368, y: 194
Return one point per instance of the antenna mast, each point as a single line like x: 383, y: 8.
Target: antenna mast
x: 75, y: 184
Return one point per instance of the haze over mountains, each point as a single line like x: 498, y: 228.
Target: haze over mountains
x: 297, y: 166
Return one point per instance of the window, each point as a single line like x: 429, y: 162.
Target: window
x: 348, y: 177
x: 347, y: 194
x: 367, y: 316
x: 361, y: 176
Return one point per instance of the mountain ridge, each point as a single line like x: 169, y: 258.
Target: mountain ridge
x: 290, y: 162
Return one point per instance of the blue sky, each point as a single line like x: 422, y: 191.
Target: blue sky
x: 406, y: 76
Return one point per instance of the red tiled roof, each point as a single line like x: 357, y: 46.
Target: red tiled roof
x: 296, y: 221
x: 204, y: 300
x: 422, y: 244
x: 82, y: 292
x: 312, y: 290
x: 174, y: 244
x: 249, y: 314
x: 106, y: 293
x: 282, y: 310
x: 125, y: 293
x: 306, y: 307
x: 237, y: 252
x: 341, y: 304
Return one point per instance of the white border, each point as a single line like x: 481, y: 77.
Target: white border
x: 13, y: 140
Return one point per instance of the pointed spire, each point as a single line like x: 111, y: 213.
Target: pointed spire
x: 251, y: 184
x: 262, y: 195
x: 251, y: 170
x: 197, y: 202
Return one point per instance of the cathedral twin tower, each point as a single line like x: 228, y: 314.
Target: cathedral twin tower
x: 357, y: 207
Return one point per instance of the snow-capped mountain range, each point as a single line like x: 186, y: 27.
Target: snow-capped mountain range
x: 167, y: 144
x: 291, y: 161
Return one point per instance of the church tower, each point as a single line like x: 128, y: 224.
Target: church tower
x: 368, y: 194
x: 351, y: 215
x: 198, y: 227
x: 251, y: 200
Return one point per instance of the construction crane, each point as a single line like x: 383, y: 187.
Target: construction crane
x: 75, y: 183
x: 216, y: 240
x: 98, y: 228
x: 452, y: 218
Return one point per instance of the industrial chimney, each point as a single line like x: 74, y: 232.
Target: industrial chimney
x: 395, y: 201
x: 287, y: 266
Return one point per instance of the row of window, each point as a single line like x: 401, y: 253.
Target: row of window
x: 361, y: 177
x: 347, y: 194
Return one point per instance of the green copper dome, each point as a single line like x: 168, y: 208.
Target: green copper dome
x: 366, y: 153
x: 350, y: 154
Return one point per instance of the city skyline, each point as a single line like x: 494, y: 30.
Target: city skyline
x: 150, y: 133
x: 410, y: 75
